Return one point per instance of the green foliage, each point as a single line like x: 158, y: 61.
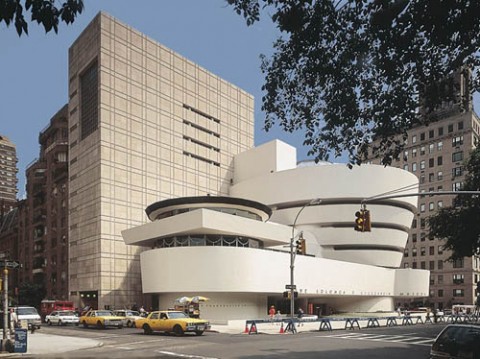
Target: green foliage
x: 349, y: 71
x: 31, y: 294
x: 44, y: 12
x: 459, y: 224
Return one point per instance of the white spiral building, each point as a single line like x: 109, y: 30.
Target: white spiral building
x: 235, y: 250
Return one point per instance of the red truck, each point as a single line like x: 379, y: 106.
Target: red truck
x: 49, y: 305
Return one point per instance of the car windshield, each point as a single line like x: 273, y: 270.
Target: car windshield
x: 66, y: 313
x: 103, y: 313
x: 26, y: 311
x: 455, y: 338
x: 133, y: 313
x: 177, y: 315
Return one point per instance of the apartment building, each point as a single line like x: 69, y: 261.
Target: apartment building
x: 8, y: 175
x: 42, y: 219
x: 145, y: 124
x: 436, y: 155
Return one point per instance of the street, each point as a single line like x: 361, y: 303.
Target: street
x: 386, y: 342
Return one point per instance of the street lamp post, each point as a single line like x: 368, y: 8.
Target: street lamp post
x: 292, y: 257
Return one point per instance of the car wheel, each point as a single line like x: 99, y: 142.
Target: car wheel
x: 99, y: 325
x: 129, y: 324
x: 85, y: 325
x: 199, y: 332
x: 49, y: 322
x: 177, y: 329
x: 147, y: 329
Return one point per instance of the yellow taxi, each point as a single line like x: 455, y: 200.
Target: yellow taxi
x: 101, y: 319
x: 171, y: 321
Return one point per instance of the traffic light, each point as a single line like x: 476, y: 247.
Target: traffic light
x: 362, y: 221
x: 359, y: 221
x: 301, y: 249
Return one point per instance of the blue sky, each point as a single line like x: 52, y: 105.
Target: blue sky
x: 34, y: 81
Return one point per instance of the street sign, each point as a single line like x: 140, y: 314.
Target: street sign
x: 10, y: 264
x: 289, y: 286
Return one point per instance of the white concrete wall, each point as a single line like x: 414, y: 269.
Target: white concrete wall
x: 270, y: 157
x: 255, y: 272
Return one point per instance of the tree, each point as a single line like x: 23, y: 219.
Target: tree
x: 44, y: 12
x: 349, y: 71
x: 31, y: 294
x: 459, y: 224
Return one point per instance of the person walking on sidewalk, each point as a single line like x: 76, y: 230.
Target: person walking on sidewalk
x: 272, y: 312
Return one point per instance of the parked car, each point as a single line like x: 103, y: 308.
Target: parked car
x: 129, y: 316
x: 62, y: 317
x: 172, y: 322
x: 457, y: 341
x: 29, y: 315
x: 101, y: 319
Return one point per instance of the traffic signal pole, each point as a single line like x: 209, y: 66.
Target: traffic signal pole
x: 292, y: 258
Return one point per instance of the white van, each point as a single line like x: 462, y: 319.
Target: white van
x: 29, y: 315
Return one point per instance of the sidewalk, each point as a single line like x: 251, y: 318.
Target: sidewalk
x: 39, y: 343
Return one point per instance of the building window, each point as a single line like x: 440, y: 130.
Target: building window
x: 431, y: 266
x: 422, y: 207
x: 439, y: 160
x: 422, y: 165
x: 422, y: 236
x: 422, y: 223
x: 414, y: 252
x: 405, y: 167
x: 458, y: 278
x: 405, y: 155
x: 422, y: 178
x: 431, y: 162
x: 414, y: 139
x: 422, y: 251
x: 432, y: 280
x: 414, y: 223
x: 414, y: 167
x: 414, y: 265
x: 89, y: 100
x: 456, y: 186
x: 431, y: 250
x: 439, y: 266
x: 431, y: 177
x: 457, y: 156
x: 405, y: 265
x: 422, y: 136
x: 423, y: 265
x: 440, y: 278
x: 431, y: 206
x: 440, y: 175
x: 458, y: 293
x: 422, y: 150
x: 440, y: 131
x: 440, y: 293
x: 457, y: 171
x: 414, y: 152
x: 439, y: 188
x: 431, y: 147
x: 457, y: 141
x: 440, y: 204
x: 460, y: 125
x: 458, y: 263
x: 439, y: 146
x: 405, y: 253
x: 450, y: 128
x: 430, y: 134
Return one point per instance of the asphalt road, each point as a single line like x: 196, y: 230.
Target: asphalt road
x: 400, y: 342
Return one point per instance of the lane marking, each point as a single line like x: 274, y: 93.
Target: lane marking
x: 178, y: 355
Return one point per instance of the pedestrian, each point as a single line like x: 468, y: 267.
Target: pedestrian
x: 272, y: 311
x: 300, y: 313
x: 13, y: 320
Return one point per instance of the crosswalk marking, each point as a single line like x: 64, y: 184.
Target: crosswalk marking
x: 414, y: 340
